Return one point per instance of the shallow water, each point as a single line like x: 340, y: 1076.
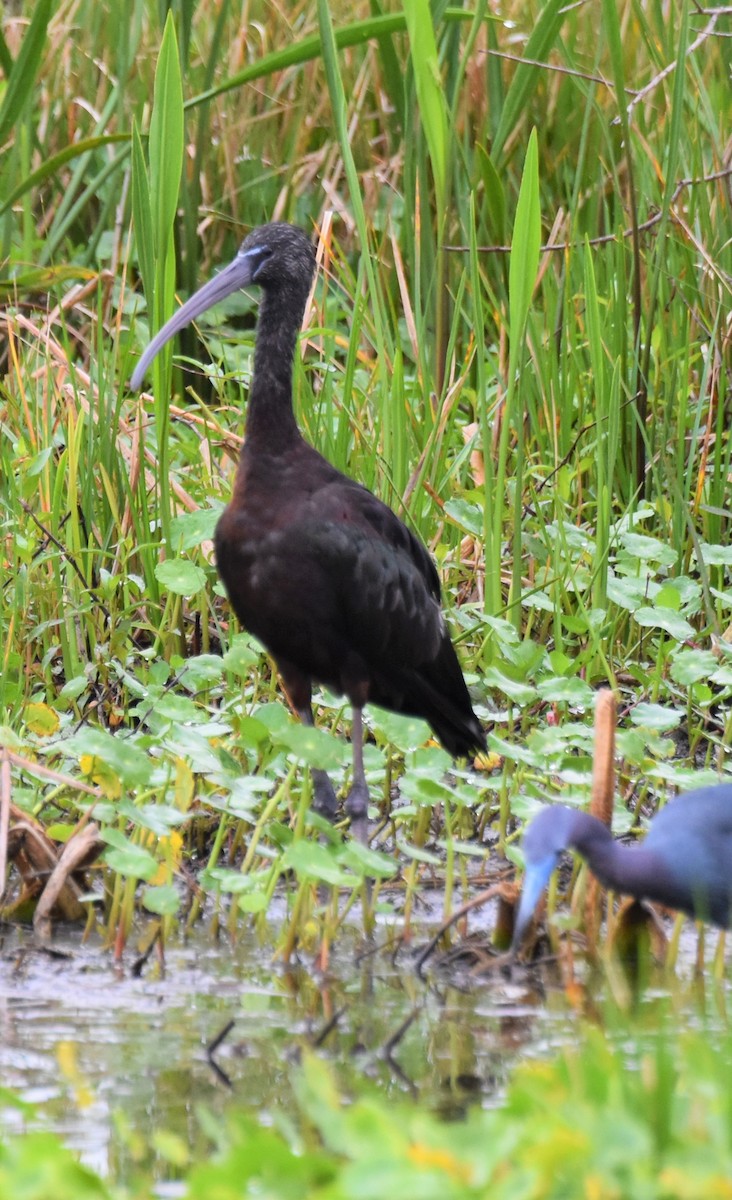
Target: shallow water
x: 103, y: 1055
x: 107, y: 1058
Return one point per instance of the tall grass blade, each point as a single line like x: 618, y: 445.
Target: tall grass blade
x: 22, y: 80
x: 142, y: 217
x: 338, y: 105
x: 523, y: 267
x: 525, y: 245
x: 51, y: 166
x: 308, y: 48
x: 604, y: 481
x: 166, y: 139
x: 430, y: 94
x: 156, y: 218
x: 527, y: 75
x: 634, y: 437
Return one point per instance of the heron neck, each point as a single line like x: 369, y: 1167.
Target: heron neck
x: 271, y: 425
x: 619, y: 867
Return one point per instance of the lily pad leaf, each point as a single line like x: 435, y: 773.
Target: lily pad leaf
x: 666, y: 619
x: 163, y: 900
x: 180, y: 576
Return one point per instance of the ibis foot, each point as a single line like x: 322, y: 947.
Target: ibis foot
x: 324, y: 797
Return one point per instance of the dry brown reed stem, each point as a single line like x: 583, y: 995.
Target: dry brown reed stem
x: 61, y: 890
x: 601, y: 799
x: 500, y: 890
x: 5, y: 788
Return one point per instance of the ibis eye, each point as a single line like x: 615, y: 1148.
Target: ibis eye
x: 258, y: 256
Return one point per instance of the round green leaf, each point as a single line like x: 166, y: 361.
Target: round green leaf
x: 163, y: 900
x: 180, y: 576
x: 655, y: 716
x: 664, y: 618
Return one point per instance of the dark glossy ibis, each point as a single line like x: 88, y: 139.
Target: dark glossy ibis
x: 322, y: 572
x: 684, y: 861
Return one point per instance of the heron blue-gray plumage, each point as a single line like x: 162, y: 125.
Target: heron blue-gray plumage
x: 684, y: 862
x: 321, y: 571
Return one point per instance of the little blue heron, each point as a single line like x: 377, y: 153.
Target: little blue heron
x: 322, y: 572
x: 685, y: 860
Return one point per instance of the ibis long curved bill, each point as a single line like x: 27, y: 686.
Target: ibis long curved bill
x: 239, y: 274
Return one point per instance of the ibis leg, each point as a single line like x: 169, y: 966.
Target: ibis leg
x: 357, y: 801
x: 324, y: 797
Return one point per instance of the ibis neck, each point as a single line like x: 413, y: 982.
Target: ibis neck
x: 271, y: 425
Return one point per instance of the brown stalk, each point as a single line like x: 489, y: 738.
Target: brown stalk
x: 601, y: 800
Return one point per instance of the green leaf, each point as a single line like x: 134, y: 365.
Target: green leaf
x: 158, y: 818
x: 660, y: 618
x: 648, y: 549
x: 119, y: 753
x: 364, y: 861
x: 525, y: 243
x: 142, y: 216
x: 468, y: 516
x: 190, y: 529
x: 225, y: 879
x: 668, y: 597
x: 538, y: 600
x: 180, y: 576
x: 252, y: 902
x: 22, y: 79
x: 240, y: 657
x: 626, y: 591
x: 163, y: 900
x: 166, y: 138
x: 73, y: 688
x: 716, y: 556
x: 691, y: 666
x: 130, y: 860
x: 202, y: 670
x: 568, y: 691
x: 418, y: 853
x: 406, y: 733
x: 316, y: 747
x: 310, y: 860
x: 520, y: 693
x: 430, y: 94
x: 656, y: 716
x: 495, y: 195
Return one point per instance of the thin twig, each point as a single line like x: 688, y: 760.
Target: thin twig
x: 482, y: 898
x: 36, y: 768
x: 65, y: 554
x: 607, y: 238
x: 555, y: 67
x: 670, y: 68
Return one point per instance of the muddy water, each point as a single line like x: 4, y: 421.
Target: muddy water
x: 107, y: 1059
x: 104, y: 1056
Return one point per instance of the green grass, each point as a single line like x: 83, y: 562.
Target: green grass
x: 551, y: 421
x: 520, y: 340
x: 610, y: 1117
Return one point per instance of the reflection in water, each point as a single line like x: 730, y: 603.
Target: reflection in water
x: 108, y: 1059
